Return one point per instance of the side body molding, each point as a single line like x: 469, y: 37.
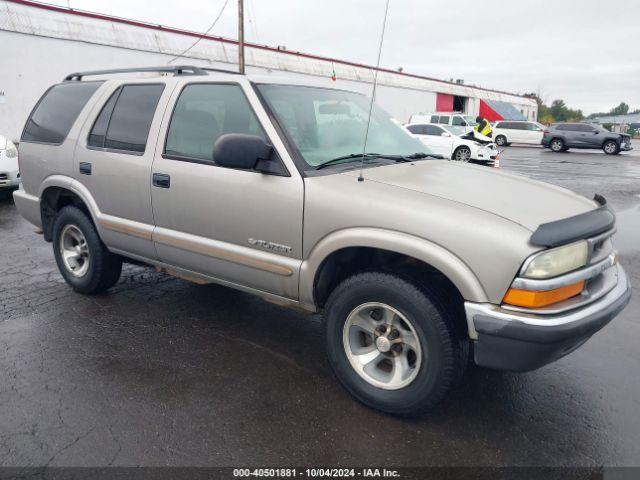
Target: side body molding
x: 435, y: 255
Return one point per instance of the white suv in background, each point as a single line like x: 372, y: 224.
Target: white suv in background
x: 506, y: 132
x: 9, y: 176
x: 467, y: 122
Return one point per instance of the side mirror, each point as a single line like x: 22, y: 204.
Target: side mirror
x: 246, y: 152
x: 445, y: 134
x: 596, y: 132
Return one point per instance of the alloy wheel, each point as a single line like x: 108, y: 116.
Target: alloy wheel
x: 382, y: 346
x: 74, y: 250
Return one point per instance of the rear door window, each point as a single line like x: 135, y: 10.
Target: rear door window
x: 444, y: 119
x: 56, y: 112
x: 434, y: 118
x: 132, y: 116
x: 459, y: 122
x: 416, y: 129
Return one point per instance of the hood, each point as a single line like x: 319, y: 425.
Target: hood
x: 526, y: 202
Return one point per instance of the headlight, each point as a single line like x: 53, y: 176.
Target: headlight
x: 12, y: 153
x: 557, y: 261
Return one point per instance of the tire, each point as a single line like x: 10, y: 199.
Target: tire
x: 557, y: 145
x: 610, y: 147
x: 462, y: 154
x: 427, y: 325
x: 501, y: 140
x: 90, y: 267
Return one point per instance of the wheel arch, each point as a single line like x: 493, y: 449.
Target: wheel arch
x: 341, y: 253
x: 58, y: 191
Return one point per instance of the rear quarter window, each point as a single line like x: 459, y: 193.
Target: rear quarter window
x: 56, y: 112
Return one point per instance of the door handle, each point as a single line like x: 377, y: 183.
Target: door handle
x: 161, y: 180
x: 85, y: 168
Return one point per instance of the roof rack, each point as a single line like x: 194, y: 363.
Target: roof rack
x: 176, y: 70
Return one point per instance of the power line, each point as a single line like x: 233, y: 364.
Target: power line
x: 203, y: 35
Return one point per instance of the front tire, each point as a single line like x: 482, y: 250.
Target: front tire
x: 610, y: 147
x: 391, y: 344
x: 83, y: 260
x: 462, y: 154
x: 557, y: 145
x: 501, y: 140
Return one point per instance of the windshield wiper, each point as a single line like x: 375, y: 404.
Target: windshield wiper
x: 368, y: 155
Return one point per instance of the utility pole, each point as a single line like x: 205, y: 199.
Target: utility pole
x: 241, y: 36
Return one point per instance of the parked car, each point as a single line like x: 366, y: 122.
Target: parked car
x: 9, y: 171
x: 560, y: 137
x: 509, y: 132
x: 446, y: 141
x: 454, y: 119
x: 260, y: 184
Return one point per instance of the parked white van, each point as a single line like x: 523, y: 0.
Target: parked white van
x: 506, y: 132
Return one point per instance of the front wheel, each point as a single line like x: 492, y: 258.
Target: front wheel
x: 83, y: 260
x: 390, y: 344
x: 501, y: 140
x: 610, y: 147
x: 462, y: 154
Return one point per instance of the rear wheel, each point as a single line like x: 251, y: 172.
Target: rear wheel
x: 83, y: 260
x: 462, y: 154
x: 501, y: 140
x: 391, y: 344
x: 557, y: 145
x: 610, y: 147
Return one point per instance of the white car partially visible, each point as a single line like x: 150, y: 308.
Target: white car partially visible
x: 9, y: 174
x: 446, y: 140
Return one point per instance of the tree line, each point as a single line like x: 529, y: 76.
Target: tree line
x: 558, y: 111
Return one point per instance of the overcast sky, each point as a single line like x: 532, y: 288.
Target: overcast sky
x: 586, y: 52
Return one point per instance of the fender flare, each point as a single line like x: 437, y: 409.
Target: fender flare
x: 416, y: 247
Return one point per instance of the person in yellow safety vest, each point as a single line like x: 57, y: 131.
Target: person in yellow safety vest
x: 483, y: 127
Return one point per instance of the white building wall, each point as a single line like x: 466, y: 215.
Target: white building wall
x: 39, y: 47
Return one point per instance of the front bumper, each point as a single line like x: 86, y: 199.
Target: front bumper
x: 9, y: 180
x: 508, y: 340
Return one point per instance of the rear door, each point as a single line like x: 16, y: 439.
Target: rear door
x: 438, y: 143
x: 572, y: 135
x: 237, y: 226
x: 113, y: 161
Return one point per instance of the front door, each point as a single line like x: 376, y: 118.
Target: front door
x: 237, y: 226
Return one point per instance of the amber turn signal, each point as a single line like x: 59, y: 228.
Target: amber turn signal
x: 532, y: 299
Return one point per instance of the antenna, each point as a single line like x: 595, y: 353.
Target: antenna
x: 373, y: 94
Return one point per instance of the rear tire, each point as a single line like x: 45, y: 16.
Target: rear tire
x: 501, y: 140
x: 557, y: 145
x: 610, y: 147
x: 431, y: 356
x: 83, y: 260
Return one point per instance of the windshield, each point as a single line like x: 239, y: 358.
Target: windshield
x: 325, y: 124
x: 471, y: 120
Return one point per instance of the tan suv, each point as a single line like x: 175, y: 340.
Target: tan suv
x: 261, y: 184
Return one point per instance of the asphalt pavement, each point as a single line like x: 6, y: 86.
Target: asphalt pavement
x: 163, y: 372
